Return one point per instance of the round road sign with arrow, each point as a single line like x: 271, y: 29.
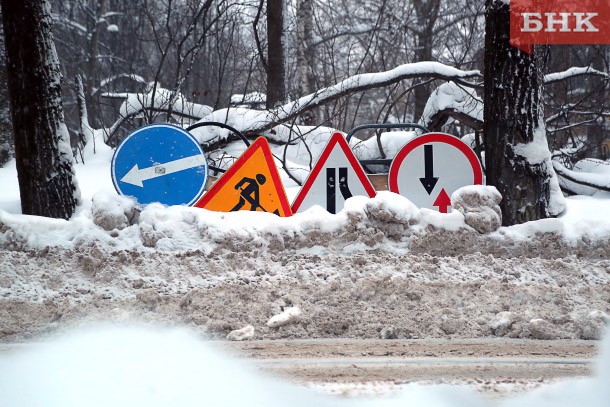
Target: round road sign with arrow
x: 160, y: 163
x: 429, y: 168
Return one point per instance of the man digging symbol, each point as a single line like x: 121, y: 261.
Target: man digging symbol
x: 250, y: 192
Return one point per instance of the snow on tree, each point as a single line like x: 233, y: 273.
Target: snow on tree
x: 6, y: 144
x: 452, y: 100
x: 518, y: 160
x: 44, y: 157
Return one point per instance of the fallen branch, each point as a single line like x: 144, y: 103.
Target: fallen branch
x: 578, y: 179
x: 260, y: 121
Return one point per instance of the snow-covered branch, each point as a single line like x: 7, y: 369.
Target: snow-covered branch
x: 575, y: 181
x: 110, y: 80
x: 572, y: 73
x: 452, y: 101
x: 160, y: 100
x: 254, y: 122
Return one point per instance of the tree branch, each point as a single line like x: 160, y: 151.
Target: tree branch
x: 573, y: 73
x: 573, y: 177
x: 257, y: 39
x: 264, y: 120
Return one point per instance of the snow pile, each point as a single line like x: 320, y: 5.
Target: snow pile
x: 113, y: 221
x: 111, y: 211
x: 288, y: 316
x: 143, y: 367
x: 247, y: 332
x: 501, y: 324
x: 480, y: 206
x: 387, y: 222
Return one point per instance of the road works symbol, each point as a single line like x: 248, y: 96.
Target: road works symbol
x: 160, y: 163
x: 250, y: 192
x: 429, y: 168
x: 320, y: 188
x: 252, y: 183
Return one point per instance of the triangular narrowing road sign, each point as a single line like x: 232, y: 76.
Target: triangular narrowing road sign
x: 336, y: 176
x: 252, y: 183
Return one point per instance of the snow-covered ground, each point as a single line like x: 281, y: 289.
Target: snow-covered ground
x: 144, y: 367
x: 380, y: 268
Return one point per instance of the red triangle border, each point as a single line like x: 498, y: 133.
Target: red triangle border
x: 336, y: 138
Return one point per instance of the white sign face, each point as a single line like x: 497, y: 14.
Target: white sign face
x: 431, y: 167
x: 336, y: 177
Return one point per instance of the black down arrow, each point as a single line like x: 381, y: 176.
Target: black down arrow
x: 429, y: 181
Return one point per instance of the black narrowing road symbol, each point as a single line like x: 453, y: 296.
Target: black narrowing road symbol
x: 331, y: 187
x: 429, y: 181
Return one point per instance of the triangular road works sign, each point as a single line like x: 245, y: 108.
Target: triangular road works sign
x: 336, y: 176
x: 252, y: 183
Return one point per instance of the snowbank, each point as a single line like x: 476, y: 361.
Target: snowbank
x: 387, y: 222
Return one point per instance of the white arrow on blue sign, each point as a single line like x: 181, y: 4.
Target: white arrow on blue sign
x: 160, y: 163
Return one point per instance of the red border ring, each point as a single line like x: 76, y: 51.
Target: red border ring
x: 434, y: 138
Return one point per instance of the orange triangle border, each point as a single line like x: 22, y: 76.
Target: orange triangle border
x: 259, y: 143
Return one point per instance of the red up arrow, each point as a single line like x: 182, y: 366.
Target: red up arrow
x: 442, y: 201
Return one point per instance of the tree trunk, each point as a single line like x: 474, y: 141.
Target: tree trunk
x: 422, y: 92
x: 6, y: 129
x: 42, y: 149
x: 426, y: 12
x: 276, y: 69
x: 305, y: 49
x: 516, y: 151
x: 93, y: 54
x: 305, y: 55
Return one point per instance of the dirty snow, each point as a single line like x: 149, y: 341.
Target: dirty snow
x: 380, y: 268
x: 352, y: 274
x: 145, y: 367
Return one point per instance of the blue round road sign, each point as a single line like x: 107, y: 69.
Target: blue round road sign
x: 160, y: 163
